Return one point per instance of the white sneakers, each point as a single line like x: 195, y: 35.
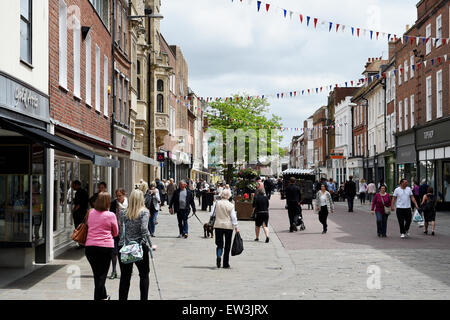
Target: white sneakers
x: 402, y: 236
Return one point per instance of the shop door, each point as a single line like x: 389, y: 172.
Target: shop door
x: 446, y: 183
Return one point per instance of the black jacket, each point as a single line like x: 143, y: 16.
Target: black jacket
x: 293, y: 193
x: 175, y: 201
x: 261, y: 203
x: 350, y: 188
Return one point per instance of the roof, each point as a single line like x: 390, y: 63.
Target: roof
x: 298, y: 171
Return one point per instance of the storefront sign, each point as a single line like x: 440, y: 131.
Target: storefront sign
x: 406, y: 154
x: 123, y: 141
x: 434, y: 136
x: 18, y: 98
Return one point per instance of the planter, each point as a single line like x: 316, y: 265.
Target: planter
x: 244, y: 210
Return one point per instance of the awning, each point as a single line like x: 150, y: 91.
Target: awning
x: 143, y: 159
x: 299, y: 171
x: 55, y: 142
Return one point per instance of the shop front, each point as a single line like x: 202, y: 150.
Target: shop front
x: 123, y: 176
x: 406, y: 158
x: 379, y: 169
x: 23, y: 174
x: 433, y: 146
x: 355, y: 168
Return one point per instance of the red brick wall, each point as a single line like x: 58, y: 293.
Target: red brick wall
x: 428, y: 11
x: 63, y: 106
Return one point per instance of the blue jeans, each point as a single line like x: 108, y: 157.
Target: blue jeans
x: 182, y: 216
x: 381, y: 223
x: 152, y: 222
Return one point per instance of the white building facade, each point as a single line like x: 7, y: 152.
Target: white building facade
x: 343, y: 142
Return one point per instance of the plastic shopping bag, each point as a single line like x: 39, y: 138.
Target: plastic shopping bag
x: 417, y: 216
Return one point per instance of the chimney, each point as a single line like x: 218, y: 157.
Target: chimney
x: 407, y: 27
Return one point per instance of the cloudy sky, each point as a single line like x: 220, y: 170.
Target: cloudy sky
x: 231, y: 48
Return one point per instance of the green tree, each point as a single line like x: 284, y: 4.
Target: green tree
x: 245, y: 114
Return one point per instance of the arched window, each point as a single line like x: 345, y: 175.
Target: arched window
x: 160, y: 103
x: 160, y: 85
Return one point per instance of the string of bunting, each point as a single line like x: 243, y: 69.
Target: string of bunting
x: 339, y: 27
x: 417, y: 66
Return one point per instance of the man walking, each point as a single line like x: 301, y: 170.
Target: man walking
x: 171, y: 187
x: 180, y: 203
x: 268, y: 187
x: 293, y: 200
x: 81, y: 203
x: 350, y: 192
x: 402, y: 198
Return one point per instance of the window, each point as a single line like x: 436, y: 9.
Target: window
x: 429, y: 96
x: 439, y: 93
x: 138, y: 88
x: 160, y: 85
x: 400, y: 75
x: 120, y: 97
x: 25, y: 31
x: 172, y: 83
x: 88, y: 71
x: 115, y: 92
x: 125, y: 102
x: 400, y: 117
x: 380, y: 103
x: 428, y: 36
x: 76, y: 56
x: 411, y: 66
x: 406, y: 114
x: 119, y: 19
x: 393, y: 87
x: 160, y: 103
x: 105, y: 86
x: 63, y: 44
x: 125, y: 30
x: 438, y: 31
x: 172, y: 121
x: 97, y: 78
x: 388, y: 88
x: 411, y: 104
x: 405, y: 71
x: 102, y: 8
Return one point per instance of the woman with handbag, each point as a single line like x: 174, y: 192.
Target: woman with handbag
x: 429, y: 210
x: 225, y: 222
x: 381, y: 203
x: 135, y: 228
x: 261, y: 212
x: 102, y: 228
x: 326, y: 205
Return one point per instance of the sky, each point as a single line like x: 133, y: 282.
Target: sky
x: 231, y: 48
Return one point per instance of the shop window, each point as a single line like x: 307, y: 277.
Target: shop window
x: 446, y: 182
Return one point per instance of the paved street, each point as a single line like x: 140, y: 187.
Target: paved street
x: 302, y: 265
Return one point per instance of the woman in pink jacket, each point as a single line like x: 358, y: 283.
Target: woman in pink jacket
x: 380, y: 202
x: 102, y: 228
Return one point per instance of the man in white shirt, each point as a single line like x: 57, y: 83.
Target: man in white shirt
x: 402, y: 198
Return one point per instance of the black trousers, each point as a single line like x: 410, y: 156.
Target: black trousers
x: 222, y: 234
x: 323, y: 216
x: 404, y: 217
x: 99, y: 258
x: 125, y: 276
x: 293, y: 210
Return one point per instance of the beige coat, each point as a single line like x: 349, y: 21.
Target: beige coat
x: 225, y: 215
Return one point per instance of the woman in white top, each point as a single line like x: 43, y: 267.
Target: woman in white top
x: 324, y: 205
x: 371, y: 190
x: 224, y: 224
x: 362, y: 191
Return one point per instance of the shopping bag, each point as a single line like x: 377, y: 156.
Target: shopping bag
x: 238, y: 245
x: 417, y: 216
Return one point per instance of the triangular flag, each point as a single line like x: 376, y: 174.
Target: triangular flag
x: 371, y: 34
x: 389, y: 36
x: 291, y: 13
x: 337, y: 27
x: 285, y: 11
x: 267, y: 7
x: 331, y: 26
x: 357, y: 31
x: 307, y: 20
x: 301, y: 18
x: 315, y: 22
x: 259, y: 5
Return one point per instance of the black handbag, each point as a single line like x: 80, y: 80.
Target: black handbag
x: 238, y: 245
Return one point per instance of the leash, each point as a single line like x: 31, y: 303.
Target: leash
x: 194, y: 214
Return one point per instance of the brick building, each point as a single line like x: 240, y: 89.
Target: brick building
x: 422, y: 101
x: 81, y: 104
x: 320, y: 140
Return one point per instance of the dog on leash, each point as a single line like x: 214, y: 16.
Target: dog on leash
x: 208, y: 230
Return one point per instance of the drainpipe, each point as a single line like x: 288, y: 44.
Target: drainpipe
x: 113, y: 118
x: 149, y: 74
x: 367, y: 134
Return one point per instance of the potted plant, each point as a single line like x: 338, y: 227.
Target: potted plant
x: 246, y: 187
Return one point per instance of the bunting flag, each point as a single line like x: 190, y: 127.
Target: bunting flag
x: 341, y: 27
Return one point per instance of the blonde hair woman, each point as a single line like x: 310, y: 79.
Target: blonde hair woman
x: 143, y: 187
x: 135, y: 228
x: 224, y: 224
